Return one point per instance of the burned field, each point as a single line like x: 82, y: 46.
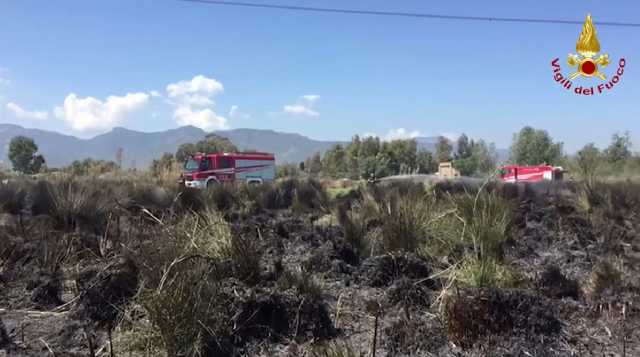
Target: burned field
x: 92, y: 267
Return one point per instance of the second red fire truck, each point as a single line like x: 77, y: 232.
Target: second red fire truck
x: 517, y: 173
x: 205, y: 170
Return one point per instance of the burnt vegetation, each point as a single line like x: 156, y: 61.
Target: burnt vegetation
x: 93, y: 267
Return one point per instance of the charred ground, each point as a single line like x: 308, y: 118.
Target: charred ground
x: 92, y: 265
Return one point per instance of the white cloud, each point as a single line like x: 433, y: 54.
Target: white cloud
x: 300, y: 109
x: 304, y: 107
x: 369, y: 135
x: 199, y: 87
x: 205, y: 119
x: 21, y: 113
x: 401, y: 133
x: 91, y: 114
x: 311, y: 98
x: 235, y: 113
x: 193, y: 102
x: 155, y: 93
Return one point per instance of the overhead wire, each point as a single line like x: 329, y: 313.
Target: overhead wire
x: 408, y: 14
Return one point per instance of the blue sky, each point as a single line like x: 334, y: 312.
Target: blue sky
x: 82, y: 67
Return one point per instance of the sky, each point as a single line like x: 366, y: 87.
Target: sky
x: 83, y: 67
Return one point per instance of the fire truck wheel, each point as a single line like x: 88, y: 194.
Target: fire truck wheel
x: 211, y: 183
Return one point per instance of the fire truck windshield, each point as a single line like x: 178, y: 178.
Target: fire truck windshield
x: 191, y: 165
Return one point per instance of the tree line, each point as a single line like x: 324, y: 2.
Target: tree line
x: 366, y: 157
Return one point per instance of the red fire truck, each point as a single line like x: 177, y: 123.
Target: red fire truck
x: 204, y: 170
x: 517, y: 173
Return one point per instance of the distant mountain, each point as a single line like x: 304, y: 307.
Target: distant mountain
x: 141, y: 148
x: 288, y: 147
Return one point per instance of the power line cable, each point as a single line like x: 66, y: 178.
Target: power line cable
x: 409, y: 14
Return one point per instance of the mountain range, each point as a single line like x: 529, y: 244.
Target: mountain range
x: 140, y: 148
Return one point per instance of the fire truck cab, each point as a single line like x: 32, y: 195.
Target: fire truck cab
x: 517, y: 173
x: 205, y: 170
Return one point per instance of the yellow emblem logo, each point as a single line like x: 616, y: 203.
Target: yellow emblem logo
x: 587, y: 63
x: 588, y: 47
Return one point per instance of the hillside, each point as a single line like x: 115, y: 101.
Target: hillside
x: 141, y: 148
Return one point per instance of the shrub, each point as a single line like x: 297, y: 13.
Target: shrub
x: 302, y: 281
x: 71, y: 203
x: 554, y: 284
x: 309, y: 195
x: 483, y: 273
x: 246, y: 254
x: 336, y: 350
x: 404, y: 222
x: 355, y: 223
x: 476, y: 313
x: 605, y: 277
x: 484, y: 219
x: 221, y: 197
x: 12, y: 198
x: 181, y: 274
x: 397, y: 218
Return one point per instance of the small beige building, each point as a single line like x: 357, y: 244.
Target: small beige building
x: 447, y: 171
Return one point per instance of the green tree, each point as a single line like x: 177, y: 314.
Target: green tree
x: 90, y: 166
x: 443, y: 150
x: 353, y: 156
x: 619, y: 149
x: 164, y: 163
x: 375, y: 166
x: 184, y: 151
x: 588, y: 162
x: 314, y: 165
x: 402, y: 155
x: 481, y: 160
x: 486, y: 156
x: 369, y: 147
x: 334, y: 162
x: 212, y: 143
x: 465, y: 148
x: 534, y: 147
x: 425, y: 163
x: 287, y: 170
x: 23, y: 154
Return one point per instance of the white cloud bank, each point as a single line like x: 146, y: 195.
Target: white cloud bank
x: 401, y: 133
x: 395, y: 134
x: 304, y: 106
x: 21, y: 113
x: 91, y: 114
x: 193, y: 102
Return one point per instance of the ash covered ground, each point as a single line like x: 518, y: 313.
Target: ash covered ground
x: 87, y: 267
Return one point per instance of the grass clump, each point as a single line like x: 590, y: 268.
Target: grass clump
x: 387, y: 220
x: 12, y: 198
x: 605, y: 278
x: 481, y: 273
x: 181, y: 282
x: 302, y: 281
x: 71, y: 203
x: 336, y: 350
x: 470, y: 233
